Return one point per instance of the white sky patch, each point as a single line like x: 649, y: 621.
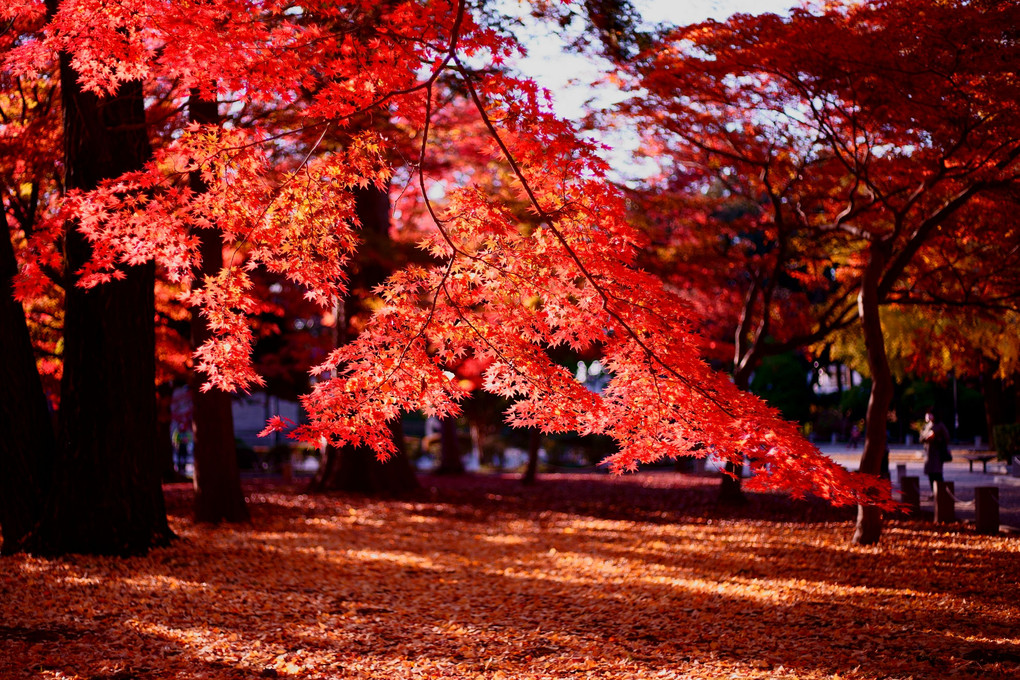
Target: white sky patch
x: 570, y: 77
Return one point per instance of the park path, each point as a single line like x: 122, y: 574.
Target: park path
x: 958, y: 472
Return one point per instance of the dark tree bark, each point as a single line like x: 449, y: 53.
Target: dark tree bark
x: 217, y: 480
x: 991, y: 390
x: 534, y: 443
x: 106, y: 496
x: 450, y: 462
x: 27, y: 443
x: 869, y: 517
x: 731, y: 490
x: 356, y: 469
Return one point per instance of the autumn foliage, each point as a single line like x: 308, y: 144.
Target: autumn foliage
x: 851, y: 156
x: 177, y: 178
x: 507, y: 279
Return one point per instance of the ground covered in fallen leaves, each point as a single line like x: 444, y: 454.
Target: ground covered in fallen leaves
x: 581, y: 576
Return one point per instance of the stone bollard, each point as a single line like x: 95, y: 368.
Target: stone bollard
x: 945, y: 505
x: 986, y: 509
x: 910, y: 493
x: 901, y: 472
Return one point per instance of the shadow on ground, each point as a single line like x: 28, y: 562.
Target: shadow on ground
x: 581, y: 576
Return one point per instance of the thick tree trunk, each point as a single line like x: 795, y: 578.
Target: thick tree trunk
x: 449, y: 459
x: 730, y: 491
x: 106, y: 496
x: 534, y: 443
x: 869, y: 517
x: 357, y: 469
x: 217, y: 481
x: 27, y: 443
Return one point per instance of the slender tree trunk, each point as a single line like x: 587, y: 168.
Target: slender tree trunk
x: 869, y: 517
x: 730, y: 491
x: 991, y: 390
x: 357, y: 469
x: 217, y: 480
x: 475, y: 431
x: 106, y: 496
x: 27, y: 443
x: 730, y: 488
x: 534, y: 443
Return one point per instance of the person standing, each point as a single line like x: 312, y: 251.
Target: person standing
x: 935, y: 438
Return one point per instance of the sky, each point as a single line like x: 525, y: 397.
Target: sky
x: 569, y: 76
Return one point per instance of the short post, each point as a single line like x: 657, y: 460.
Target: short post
x: 945, y: 506
x: 901, y: 472
x: 910, y: 493
x: 986, y: 509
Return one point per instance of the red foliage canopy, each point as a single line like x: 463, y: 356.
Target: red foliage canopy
x: 506, y: 285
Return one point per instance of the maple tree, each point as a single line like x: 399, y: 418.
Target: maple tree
x: 715, y: 238
x: 504, y: 285
x: 218, y: 494
x: 969, y: 298
x: 352, y: 468
x: 868, y: 136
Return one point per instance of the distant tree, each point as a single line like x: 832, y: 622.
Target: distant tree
x: 867, y: 132
x: 357, y: 468
x: 217, y: 477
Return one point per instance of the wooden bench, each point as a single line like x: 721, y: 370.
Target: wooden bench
x: 971, y: 458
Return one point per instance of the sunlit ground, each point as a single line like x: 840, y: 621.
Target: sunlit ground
x: 580, y: 577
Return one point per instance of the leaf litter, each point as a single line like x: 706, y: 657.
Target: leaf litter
x: 582, y: 575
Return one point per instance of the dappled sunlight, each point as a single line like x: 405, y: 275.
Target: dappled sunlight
x: 527, y: 586
x: 501, y: 539
x: 401, y: 559
x: 156, y: 583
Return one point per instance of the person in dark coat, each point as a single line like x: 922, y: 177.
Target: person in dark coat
x: 935, y: 438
